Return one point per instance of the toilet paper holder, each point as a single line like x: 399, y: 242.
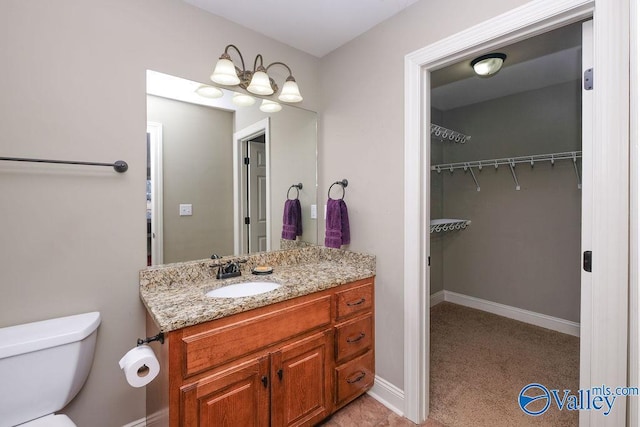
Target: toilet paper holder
x: 159, y: 337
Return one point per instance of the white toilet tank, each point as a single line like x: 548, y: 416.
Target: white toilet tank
x: 43, y: 365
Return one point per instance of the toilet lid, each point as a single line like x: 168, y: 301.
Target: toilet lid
x: 50, y: 421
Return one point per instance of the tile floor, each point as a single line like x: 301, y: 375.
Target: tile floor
x: 368, y: 412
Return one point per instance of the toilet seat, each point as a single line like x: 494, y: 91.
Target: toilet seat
x: 52, y: 420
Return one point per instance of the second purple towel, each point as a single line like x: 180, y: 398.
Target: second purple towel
x: 292, y: 219
x: 337, y: 226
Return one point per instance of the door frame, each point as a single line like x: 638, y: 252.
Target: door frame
x: 606, y: 328
x: 239, y: 203
x: 154, y: 130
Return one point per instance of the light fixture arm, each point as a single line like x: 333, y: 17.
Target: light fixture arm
x: 284, y: 65
x: 257, y: 67
x: 226, y: 55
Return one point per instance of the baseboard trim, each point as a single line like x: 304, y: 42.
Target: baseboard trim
x: 436, y: 298
x: 142, y: 422
x: 389, y: 395
x: 533, y: 318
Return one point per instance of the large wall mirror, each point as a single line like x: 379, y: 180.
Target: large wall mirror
x: 218, y: 174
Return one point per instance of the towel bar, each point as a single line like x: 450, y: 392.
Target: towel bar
x: 344, y: 183
x: 298, y: 187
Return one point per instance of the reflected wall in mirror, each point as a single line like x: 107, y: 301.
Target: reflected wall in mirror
x: 200, y: 188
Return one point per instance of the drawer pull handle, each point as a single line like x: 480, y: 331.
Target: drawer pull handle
x: 360, y: 377
x: 356, y: 339
x: 352, y: 304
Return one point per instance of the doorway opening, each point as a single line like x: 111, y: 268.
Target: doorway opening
x: 505, y: 229
x: 604, y: 305
x: 251, y: 182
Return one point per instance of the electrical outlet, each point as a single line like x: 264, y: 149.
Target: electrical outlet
x: 186, y: 209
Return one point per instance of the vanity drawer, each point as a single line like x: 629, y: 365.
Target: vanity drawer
x: 354, y: 300
x: 354, y: 378
x: 353, y: 337
x: 219, y: 345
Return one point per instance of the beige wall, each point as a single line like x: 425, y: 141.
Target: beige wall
x: 73, y: 87
x: 523, y: 247
x: 361, y: 139
x: 197, y: 149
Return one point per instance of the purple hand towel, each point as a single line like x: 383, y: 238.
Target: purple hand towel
x: 292, y: 220
x: 337, y: 226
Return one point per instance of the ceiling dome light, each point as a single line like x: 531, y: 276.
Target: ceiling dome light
x: 243, y: 100
x: 209, y: 91
x: 488, y: 65
x: 268, y: 106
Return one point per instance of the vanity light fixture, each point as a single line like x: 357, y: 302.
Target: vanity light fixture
x: 268, y: 106
x: 243, y: 100
x: 489, y: 64
x: 209, y: 91
x: 256, y: 81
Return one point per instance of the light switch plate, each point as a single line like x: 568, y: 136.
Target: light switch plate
x: 186, y: 209
x: 314, y: 211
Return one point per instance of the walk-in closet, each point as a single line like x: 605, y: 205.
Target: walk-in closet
x: 506, y: 180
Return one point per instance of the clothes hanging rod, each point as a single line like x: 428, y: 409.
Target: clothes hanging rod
x: 119, y: 165
x: 571, y: 155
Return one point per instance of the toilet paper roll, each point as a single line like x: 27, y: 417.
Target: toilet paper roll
x: 140, y: 366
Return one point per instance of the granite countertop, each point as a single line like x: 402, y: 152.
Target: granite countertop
x: 174, y: 294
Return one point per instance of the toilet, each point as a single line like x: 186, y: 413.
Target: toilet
x: 43, y: 366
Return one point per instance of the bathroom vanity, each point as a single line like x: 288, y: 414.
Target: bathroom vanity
x: 288, y: 357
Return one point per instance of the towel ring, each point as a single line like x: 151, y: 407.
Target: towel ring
x: 298, y: 187
x: 342, y: 183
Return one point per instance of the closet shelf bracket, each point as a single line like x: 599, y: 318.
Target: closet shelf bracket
x: 469, y: 169
x: 512, y: 166
x: 575, y: 167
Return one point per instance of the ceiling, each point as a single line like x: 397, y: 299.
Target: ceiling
x: 313, y: 26
x: 541, y: 61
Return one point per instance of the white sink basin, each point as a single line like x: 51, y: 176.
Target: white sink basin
x: 245, y: 289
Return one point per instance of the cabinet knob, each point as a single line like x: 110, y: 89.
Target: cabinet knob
x: 280, y: 374
x: 265, y: 381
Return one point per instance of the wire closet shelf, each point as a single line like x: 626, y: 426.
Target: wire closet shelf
x: 511, y: 162
x: 448, y: 224
x: 444, y: 134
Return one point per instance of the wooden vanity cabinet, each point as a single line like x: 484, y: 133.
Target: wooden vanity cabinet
x: 292, y: 363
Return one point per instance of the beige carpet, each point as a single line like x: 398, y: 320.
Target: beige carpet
x: 480, y: 362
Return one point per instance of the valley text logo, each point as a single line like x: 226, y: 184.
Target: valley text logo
x: 535, y: 399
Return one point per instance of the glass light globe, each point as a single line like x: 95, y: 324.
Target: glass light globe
x: 209, y: 91
x: 260, y: 84
x: 268, y: 106
x: 290, y: 92
x: 243, y: 100
x: 225, y: 73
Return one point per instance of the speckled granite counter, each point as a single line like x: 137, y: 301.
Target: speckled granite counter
x: 174, y: 294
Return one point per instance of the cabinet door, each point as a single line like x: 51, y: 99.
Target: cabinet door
x: 301, y: 381
x: 236, y: 397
